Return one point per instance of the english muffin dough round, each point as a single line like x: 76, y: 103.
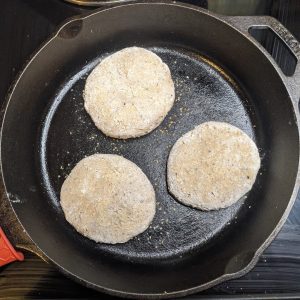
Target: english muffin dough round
x: 212, y: 166
x: 108, y: 198
x: 129, y: 93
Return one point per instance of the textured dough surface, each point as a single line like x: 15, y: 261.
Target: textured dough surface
x: 212, y: 166
x: 108, y: 198
x: 129, y: 93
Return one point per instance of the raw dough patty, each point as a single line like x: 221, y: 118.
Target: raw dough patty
x: 129, y: 93
x: 212, y: 166
x: 108, y: 198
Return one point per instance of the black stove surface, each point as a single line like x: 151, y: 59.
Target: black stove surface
x: 24, y: 25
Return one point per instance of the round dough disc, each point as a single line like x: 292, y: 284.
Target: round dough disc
x: 129, y: 93
x: 108, y: 198
x: 212, y: 166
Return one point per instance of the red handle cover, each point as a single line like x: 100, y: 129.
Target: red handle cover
x: 7, y: 252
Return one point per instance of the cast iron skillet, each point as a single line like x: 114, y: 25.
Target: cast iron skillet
x: 220, y: 74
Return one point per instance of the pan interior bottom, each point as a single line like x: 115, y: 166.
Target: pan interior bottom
x: 204, y: 92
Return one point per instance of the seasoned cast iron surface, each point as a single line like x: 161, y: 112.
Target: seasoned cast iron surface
x: 204, y: 92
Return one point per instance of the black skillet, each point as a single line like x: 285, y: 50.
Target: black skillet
x: 221, y: 74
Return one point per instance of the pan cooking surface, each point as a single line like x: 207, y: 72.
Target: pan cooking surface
x: 204, y: 92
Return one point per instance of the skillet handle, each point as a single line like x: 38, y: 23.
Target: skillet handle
x: 244, y: 23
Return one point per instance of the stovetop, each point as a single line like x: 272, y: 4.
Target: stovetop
x: 24, y: 25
